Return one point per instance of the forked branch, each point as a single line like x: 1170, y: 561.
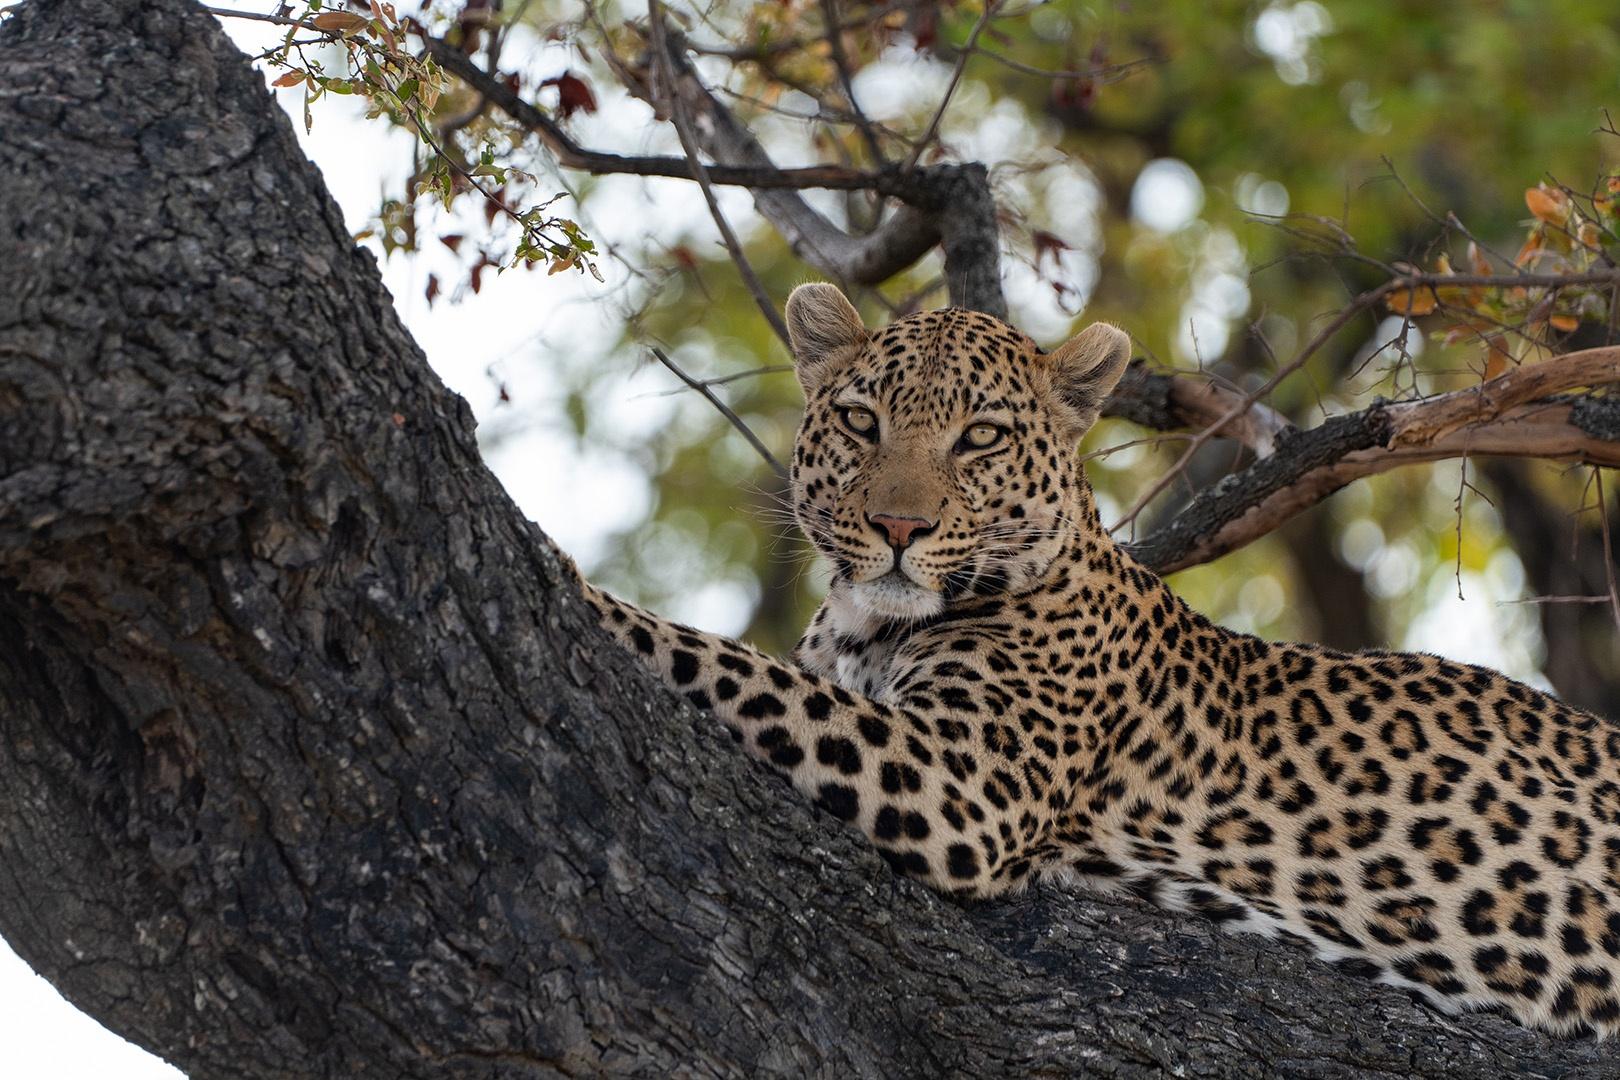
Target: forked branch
x: 1523, y: 413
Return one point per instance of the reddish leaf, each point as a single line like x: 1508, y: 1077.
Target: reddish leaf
x: 1497, y: 361
x: 432, y: 291
x: 1548, y: 204
x: 1406, y: 302
x: 925, y: 31
x: 1531, y: 245
x: 340, y: 21
x: 1047, y: 244
x: 1074, y: 94
x: 573, y: 94
x: 451, y: 241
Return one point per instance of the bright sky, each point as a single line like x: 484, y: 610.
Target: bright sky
x: 582, y: 497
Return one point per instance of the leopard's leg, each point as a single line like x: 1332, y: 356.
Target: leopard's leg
x: 879, y: 767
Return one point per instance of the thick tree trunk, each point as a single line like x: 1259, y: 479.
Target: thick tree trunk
x: 311, y: 763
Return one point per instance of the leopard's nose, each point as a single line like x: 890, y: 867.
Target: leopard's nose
x: 901, y: 531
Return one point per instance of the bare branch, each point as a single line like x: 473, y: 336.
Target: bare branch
x: 949, y: 205
x: 746, y: 53
x: 1403, y: 282
x: 956, y: 79
x: 1559, y: 600
x: 1101, y: 74
x: 1517, y: 415
x: 570, y: 155
x: 725, y: 410
x: 1426, y: 421
x: 901, y: 241
x: 846, y: 78
x: 1166, y: 402
x: 683, y: 128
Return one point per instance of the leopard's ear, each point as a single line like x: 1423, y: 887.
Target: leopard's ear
x: 825, y: 329
x: 1084, y: 371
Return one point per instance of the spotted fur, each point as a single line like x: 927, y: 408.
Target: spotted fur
x: 1011, y: 695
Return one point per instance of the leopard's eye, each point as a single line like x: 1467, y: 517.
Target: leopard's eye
x: 861, y: 421
x: 980, y: 437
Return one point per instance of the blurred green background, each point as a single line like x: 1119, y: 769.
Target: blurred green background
x: 1375, y: 115
x: 1186, y: 197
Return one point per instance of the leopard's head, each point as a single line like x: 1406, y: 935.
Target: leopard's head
x: 936, y: 457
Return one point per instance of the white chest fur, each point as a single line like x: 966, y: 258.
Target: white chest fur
x: 850, y: 646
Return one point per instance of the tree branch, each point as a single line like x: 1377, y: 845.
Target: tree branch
x: 1517, y: 414
x: 846, y: 79
x: 901, y: 241
x: 1170, y: 402
x: 964, y: 55
x: 949, y: 205
x: 705, y: 388
x: 739, y: 258
x: 570, y: 155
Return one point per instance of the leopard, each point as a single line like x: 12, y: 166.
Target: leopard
x: 995, y: 692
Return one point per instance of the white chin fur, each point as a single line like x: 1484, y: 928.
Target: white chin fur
x: 895, y: 597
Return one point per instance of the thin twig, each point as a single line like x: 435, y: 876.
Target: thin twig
x: 721, y: 380
x: 766, y: 52
x: 1337, y: 323
x: 683, y: 129
x: 1608, y: 551
x: 725, y: 410
x: 571, y: 155
x: 1560, y: 600
x: 1463, y: 487
x: 1102, y: 73
x: 846, y: 78
x: 1151, y: 440
x: 950, y: 90
x: 824, y: 114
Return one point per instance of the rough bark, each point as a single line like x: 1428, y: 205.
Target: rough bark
x: 312, y: 765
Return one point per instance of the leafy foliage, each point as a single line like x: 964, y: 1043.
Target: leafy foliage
x: 406, y: 89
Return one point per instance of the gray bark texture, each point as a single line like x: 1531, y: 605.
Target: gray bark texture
x: 312, y: 764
